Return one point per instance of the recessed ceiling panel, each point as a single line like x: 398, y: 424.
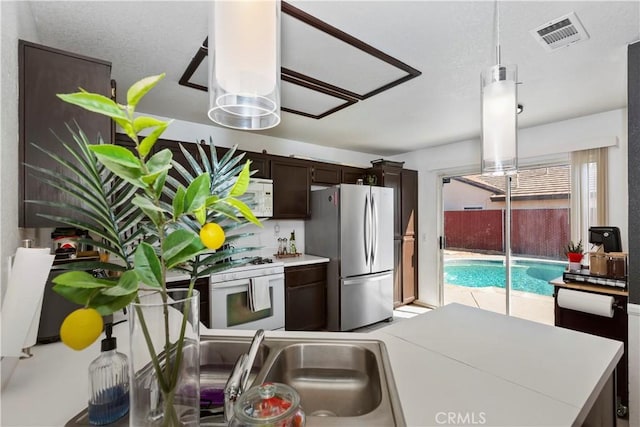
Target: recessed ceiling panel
x: 314, y: 53
x: 325, y: 69
x: 200, y: 76
x: 301, y: 98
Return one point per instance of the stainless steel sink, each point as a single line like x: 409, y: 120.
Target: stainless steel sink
x: 217, y: 358
x: 340, y: 382
x: 332, y: 379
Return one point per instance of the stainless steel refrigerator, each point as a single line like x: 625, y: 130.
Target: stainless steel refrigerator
x: 352, y: 225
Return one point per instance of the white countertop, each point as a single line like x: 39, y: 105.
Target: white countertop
x: 303, y: 259
x: 505, y: 371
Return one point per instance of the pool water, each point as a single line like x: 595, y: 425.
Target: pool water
x: 526, y: 276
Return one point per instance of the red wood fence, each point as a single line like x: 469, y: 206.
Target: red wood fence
x: 534, y: 232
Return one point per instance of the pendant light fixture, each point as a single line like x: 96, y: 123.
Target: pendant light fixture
x: 244, y: 63
x: 499, y: 114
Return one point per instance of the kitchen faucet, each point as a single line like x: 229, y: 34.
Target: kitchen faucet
x: 239, y: 378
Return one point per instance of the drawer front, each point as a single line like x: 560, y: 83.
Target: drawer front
x: 305, y: 274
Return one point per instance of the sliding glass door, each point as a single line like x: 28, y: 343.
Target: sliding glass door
x: 477, y: 239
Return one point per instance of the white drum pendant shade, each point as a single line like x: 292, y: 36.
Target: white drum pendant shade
x: 499, y: 120
x: 244, y: 63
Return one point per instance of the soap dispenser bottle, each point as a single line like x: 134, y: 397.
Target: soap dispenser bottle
x: 108, y: 383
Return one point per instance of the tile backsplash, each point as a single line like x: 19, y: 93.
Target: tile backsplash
x: 267, y: 236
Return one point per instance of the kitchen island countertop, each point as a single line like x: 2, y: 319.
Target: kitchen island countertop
x: 455, y: 361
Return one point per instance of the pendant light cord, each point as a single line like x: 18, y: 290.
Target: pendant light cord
x: 496, y: 18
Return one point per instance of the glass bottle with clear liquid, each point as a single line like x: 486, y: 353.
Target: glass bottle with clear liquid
x: 108, y: 383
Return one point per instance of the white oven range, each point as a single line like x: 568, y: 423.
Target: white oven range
x: 229, y: 297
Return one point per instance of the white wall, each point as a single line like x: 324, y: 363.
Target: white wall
x: 536, y: 145
x: 457, y: 196
x: 16, y: 22
x: 193, y: 132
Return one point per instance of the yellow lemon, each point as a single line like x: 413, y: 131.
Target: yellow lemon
x: 212, y: 235
x: 81, y: 328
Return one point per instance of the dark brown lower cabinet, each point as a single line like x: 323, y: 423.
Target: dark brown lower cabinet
x: 202, y: 285
x: 305, y: 297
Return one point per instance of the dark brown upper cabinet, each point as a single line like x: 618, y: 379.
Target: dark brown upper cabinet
x: 409, y: 207
x: 260, y: 162
x: 325, y: 173
x: 351, y: 175
x: 43, y: 73
x: 291, y: 188
x: 391, y: 176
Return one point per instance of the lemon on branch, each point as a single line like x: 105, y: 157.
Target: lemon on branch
x: 81, y: 328
x: 212, y: 235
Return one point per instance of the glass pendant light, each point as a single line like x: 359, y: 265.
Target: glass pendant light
x: 499, y: 115
x: 244, y: 63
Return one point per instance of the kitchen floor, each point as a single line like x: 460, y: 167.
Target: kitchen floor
x: 399, y: 314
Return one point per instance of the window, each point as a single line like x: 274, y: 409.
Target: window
x: 588, y: 192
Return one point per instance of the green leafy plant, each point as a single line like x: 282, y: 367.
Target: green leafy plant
x: 573, y: 248
x: 121, y: 198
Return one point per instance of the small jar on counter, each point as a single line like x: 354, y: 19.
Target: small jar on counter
x: 269, y: 404
x: 598, y: 263
x: 617, y: 265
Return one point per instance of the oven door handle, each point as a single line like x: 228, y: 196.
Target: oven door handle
x: 243, y: 282
x: 230, y: 284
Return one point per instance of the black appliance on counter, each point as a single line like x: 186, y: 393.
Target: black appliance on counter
x: 55, y: 307
x: 607, y: 266
x: 608, y: 237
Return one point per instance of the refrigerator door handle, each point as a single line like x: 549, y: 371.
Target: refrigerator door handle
x: 374, y: 233
x: 367, y: 229
x: 358, y: 280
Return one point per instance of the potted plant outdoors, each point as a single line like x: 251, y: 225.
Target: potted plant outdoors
x: 574, y: 253
x: 120, y: 199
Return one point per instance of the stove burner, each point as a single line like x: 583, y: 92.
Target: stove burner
x: 261, y: 260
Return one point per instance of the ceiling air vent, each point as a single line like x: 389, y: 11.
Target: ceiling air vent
x: 560, y: 32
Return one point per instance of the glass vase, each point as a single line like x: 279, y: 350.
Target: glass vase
x: 164, y: 358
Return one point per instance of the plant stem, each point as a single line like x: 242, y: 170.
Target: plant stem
x: 154, y: 357
x: 185, y: 315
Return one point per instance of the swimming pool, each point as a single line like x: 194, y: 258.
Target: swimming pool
x: 526, y: 276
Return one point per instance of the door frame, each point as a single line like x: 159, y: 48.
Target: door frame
x: 447, y: 173
x: 540, y: 162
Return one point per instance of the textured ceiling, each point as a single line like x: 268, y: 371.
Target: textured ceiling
x: 449, y: 42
